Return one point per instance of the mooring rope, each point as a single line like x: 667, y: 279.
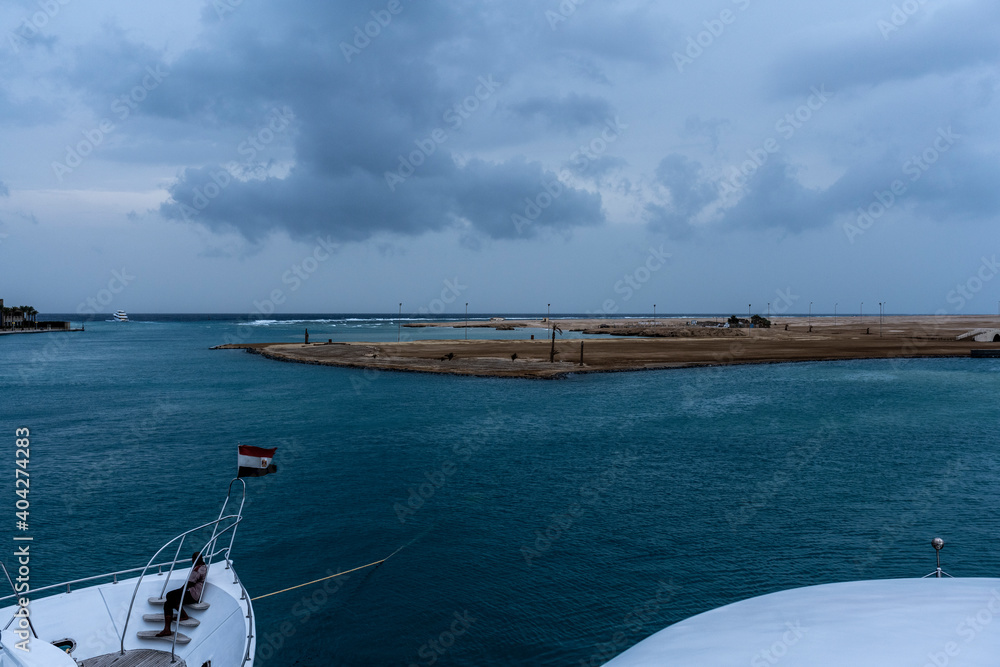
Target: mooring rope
x: 339, y: 574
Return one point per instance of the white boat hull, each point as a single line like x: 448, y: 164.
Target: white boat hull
x: 882, y: 623
x: 94, y: 618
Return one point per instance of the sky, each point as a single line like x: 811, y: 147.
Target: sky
x: 244, y: 156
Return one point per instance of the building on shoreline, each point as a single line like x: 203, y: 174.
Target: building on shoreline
x: 23, y: 318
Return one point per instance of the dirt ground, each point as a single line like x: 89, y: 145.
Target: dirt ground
x: 647, y: 345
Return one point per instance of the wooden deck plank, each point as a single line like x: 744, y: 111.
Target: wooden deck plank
x: 142, y: 657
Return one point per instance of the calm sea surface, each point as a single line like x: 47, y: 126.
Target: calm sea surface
x: 546, y: 522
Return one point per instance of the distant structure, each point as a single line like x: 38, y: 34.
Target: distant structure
x: 982, y: 335
x: 23, y: 318
x: 16, y: 318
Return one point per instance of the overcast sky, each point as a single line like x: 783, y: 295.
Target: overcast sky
x: 308, y: 156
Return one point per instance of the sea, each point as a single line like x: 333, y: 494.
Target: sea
x: 532, y: 522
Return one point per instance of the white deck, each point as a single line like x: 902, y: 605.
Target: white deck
x: 912, y: 622
x: 95, y: 617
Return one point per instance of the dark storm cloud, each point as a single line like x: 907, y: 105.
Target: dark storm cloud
x: 947, y: 182
x: 378, y: 117
x: 707, y: 128
x: 512, y: 199
x: 689, y: 193
x: 597, y: 169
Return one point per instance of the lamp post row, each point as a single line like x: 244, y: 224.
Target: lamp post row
x: 548, y: 315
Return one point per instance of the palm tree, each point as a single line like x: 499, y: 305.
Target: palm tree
x: 25, y: 315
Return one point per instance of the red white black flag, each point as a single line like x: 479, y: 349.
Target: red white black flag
x: 256, y: 461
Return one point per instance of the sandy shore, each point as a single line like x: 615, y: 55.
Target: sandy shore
x: 667, y: 344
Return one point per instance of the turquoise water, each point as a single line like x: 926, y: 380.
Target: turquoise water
x: 559, y: 521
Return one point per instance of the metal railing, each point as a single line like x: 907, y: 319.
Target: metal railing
x: 114, y: 576
x: 223, y: 524
x: 250, y: 625
x: 216, y: 534
x: 239, y: 513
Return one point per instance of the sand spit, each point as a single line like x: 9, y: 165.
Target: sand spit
x: 665, y: 344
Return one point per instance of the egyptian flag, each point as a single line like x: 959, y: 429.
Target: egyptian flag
x: 256, y: 461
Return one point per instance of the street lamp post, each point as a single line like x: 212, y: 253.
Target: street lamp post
x: 768, y: 310
x: 466, y: 320
x: 810, y: 315
x: 654, y: 314
x: 834, y: 314
x: 861, y: 312
x: 879, y: 319
x: 399, y: 322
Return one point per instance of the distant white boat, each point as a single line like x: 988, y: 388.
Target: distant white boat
x: 119, y: 316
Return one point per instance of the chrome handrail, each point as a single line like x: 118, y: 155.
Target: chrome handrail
x: 209, y: 549
x: 236, y: 520
x: 96, y: 576
x: 239, y: 512
x: 246, y: 596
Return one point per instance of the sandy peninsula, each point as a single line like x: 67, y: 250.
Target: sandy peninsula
x: 646, y: 345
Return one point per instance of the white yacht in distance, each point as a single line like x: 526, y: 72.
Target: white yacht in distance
x: 111, y: 620
x: 119, y: 316
x: 929, y: 622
